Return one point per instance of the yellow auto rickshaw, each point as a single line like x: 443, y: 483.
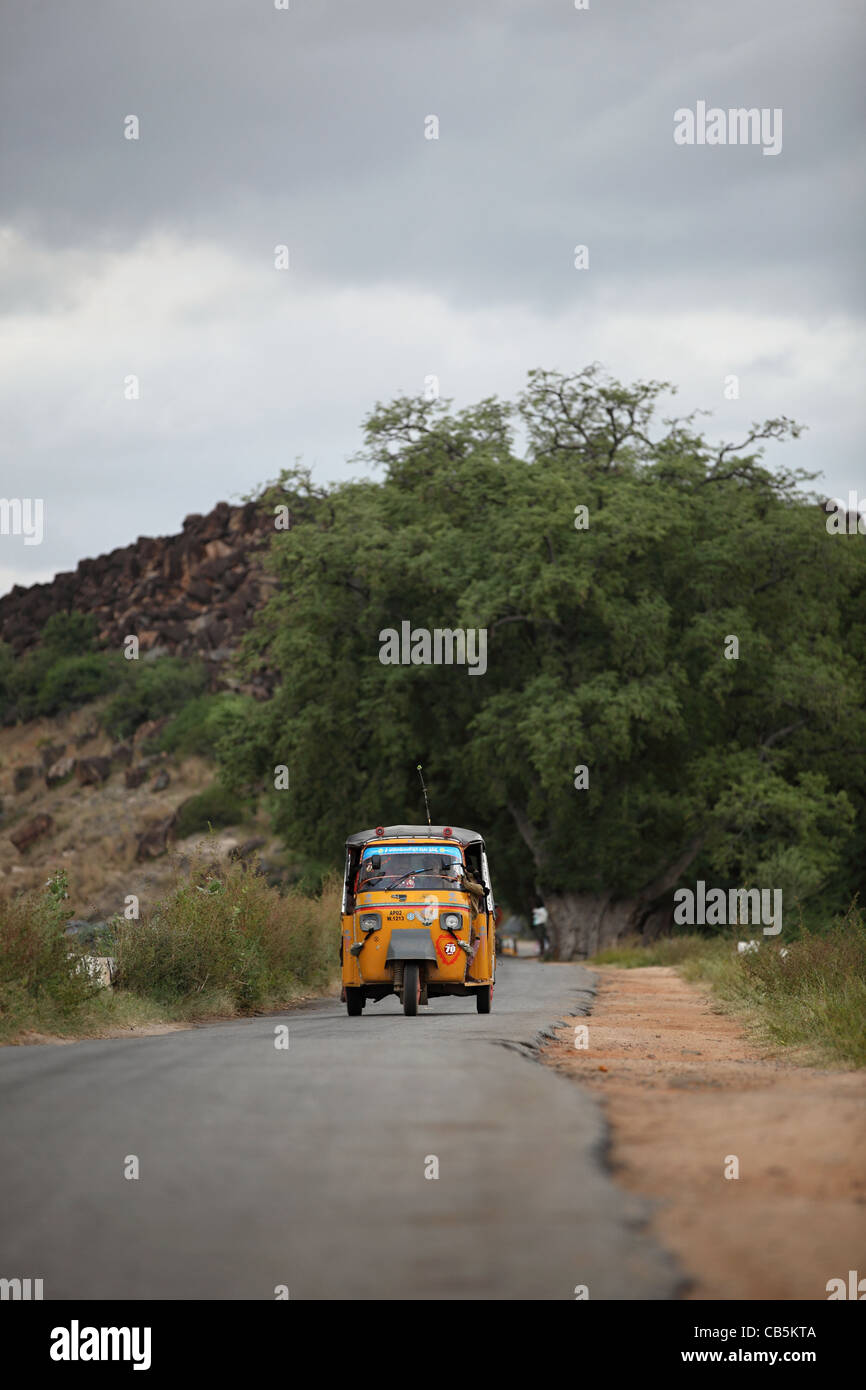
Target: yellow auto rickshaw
x: 417, y: 917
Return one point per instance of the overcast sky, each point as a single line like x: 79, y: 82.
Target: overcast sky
x: 408, y: 256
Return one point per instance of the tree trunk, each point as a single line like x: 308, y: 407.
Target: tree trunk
x: 580, y: 924
x: 583, y: 923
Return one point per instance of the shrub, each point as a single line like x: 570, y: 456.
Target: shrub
x: 69, y: 634
x: 230, y: 934
x: 815, y: 994
x: 200, y: 724
x: 62, y: 672
x: 75, y: 680
x: 213, y: 807
x: 151, y: 690
x: 40, y: 967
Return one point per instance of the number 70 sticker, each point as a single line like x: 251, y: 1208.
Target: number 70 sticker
x: 446, y: 948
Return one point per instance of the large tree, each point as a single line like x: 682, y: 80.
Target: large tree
x: 610, y: 559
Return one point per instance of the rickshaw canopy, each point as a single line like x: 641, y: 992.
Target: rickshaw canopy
x: 431, y: 832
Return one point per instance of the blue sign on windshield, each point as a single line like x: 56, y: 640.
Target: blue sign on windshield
x: 438, y: 850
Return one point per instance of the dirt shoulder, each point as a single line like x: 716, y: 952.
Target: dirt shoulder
x: 683, y: 1089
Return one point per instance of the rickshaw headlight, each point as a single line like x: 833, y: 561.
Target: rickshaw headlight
x: 451, y: 921
x: 370, y: 921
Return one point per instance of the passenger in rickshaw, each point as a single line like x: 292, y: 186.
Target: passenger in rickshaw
x: 463, y: 879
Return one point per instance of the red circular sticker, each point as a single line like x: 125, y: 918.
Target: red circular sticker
x: 447, y: 948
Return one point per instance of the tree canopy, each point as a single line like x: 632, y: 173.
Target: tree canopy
x: 611, y: 556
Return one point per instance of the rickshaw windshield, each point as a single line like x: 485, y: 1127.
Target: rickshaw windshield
x: 409, y: 866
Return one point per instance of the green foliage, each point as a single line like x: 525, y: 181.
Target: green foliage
x: 230, y: 934
x: 215, y: 806
x: 69, y: 634
x: 72, y: 681
x: 245, y: 746
x: 200, y: 725
x: 813, y: 995
x: 152, y: 689
x: 605, y: 647
x: 63, y: 672
x: 631, y: 953
x: 220, y: 943
x: 41, y: 979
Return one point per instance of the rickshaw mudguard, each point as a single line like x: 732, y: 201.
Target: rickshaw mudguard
x: 410, y: 943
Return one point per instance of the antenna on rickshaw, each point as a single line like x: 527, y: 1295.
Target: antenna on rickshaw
x: 424, y: 789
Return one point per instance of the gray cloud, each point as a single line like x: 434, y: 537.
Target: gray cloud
x: 408, y: 256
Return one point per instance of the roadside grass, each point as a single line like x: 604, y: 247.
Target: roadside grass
x: 223, y: 932
x: 811, y: 999
x: 220, y: 944
x: 41, y: 972
x: 106, y: 1011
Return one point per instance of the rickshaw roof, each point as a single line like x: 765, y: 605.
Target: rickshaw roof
x: 427, y: 832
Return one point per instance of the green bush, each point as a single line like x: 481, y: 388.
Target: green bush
x: 230, y: 935
x: 215, y: 806
x: 41, y: 978
x: 72, y: 681
x: 200, y: 724
x: 151, y: 690
x: 63, y: 672
x: 69, y: 634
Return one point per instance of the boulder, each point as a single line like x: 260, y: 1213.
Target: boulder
x: 153, y: 840
x: 59, y: 771
x: 92, y: 772
x: 22, y: 777
x: 50, y: 754
x: 248, y: 847
x: 24, y: 837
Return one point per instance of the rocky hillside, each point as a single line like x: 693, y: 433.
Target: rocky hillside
x: 185, y: 595
x: 107, y: 812
x: 106, y: 808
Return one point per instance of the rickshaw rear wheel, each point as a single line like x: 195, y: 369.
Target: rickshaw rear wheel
x: 484, y: 999
x: 354, y: 1001
x: 411, y: 987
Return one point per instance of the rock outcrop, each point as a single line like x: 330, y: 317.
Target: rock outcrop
x: 190, y: 595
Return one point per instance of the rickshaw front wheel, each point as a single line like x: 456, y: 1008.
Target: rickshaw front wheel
x: 354, y: 1001
x: 484, y: 999
x: 411, y: 987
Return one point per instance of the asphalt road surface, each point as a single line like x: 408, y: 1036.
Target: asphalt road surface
x: 305, y: 1167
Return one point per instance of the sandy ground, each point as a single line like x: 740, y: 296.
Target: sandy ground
x: 684, y: 1092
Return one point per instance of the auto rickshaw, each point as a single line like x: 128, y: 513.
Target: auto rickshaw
x: 417, y: 917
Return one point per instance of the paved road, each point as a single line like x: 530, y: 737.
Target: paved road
x: 306, y: 1167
